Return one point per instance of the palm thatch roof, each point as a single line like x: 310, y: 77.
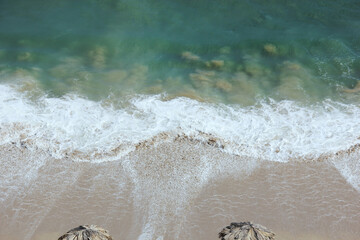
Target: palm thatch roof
x: 86, y: 232
x: 246, y: 231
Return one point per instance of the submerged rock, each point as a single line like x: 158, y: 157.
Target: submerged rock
x: 215, y: 64
x: 202, y: 79
x: 202, y: 76
x: 190, y: 56
x: 270, y: 49
x: 86, y: 232
x: 246, y: 231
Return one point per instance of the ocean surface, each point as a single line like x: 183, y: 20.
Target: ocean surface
x: 170, y: 119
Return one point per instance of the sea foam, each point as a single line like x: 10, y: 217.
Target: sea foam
x: 84, y: 130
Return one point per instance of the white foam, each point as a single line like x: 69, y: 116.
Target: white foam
x: 87, y: 131
x: 348, y: 165
x: 276, y: 131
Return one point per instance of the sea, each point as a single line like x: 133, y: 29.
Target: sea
x: 170, y: 119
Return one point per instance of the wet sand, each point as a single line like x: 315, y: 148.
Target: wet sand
x: 174, y: 190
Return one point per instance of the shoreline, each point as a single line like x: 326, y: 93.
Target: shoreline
x: 175, y: 189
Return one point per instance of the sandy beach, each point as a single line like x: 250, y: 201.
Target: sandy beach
x: 176, y: 190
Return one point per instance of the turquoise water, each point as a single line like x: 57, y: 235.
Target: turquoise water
x: 218, y: 51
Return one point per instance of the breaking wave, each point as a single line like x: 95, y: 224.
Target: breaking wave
x: 80, y: 129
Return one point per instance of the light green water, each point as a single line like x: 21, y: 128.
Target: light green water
x: 222, y: 51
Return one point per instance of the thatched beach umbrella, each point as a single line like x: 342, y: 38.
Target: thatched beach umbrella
x: 246, y: 231
x: 86, y: 232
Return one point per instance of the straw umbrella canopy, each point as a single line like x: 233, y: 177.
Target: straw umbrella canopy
x: 86, y: 232
x: 246, y: 231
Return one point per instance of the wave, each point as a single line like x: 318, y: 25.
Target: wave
x: 88, y: 130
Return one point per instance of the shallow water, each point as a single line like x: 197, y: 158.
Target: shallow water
x: 192, y: 194
x: 171, y: 119
x: 233, y: 52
